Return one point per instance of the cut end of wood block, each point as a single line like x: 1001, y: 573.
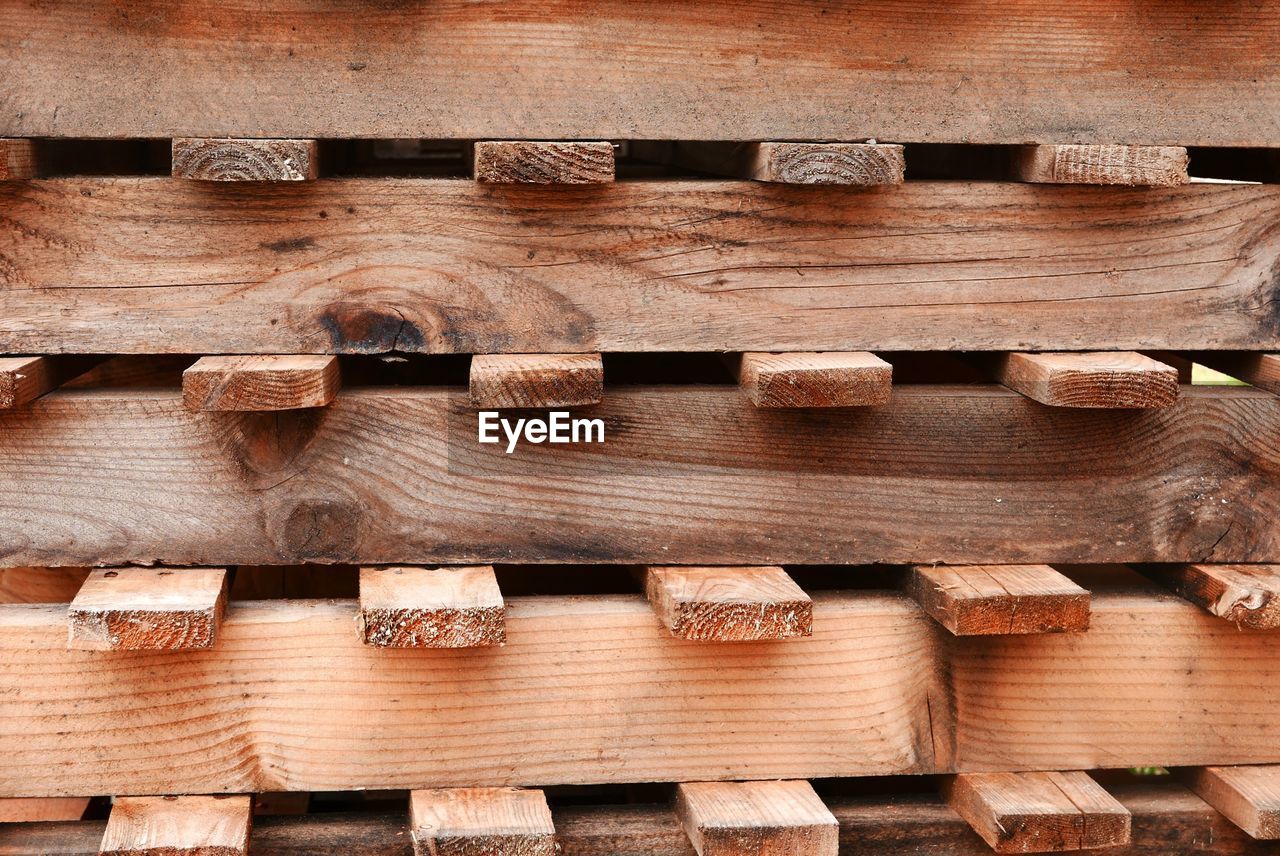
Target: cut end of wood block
x: 527, y: 162
x: 147, y: 609
x: 732, y: 818
x: 1149, y: 166
x: 179, y: 826
x: 1249, y: 796
x: 412, y: 607
x: 536, y: 380
x: 261, y: 383
x: 856, y: 379
x: 730, y: 604
x: 853, y: 164
x: 1039, y: 812
x: 471, y: 821
x: 990, y: 600
x: 17, y: 159
x: 1094, y: 380
x: 1246, y: 595
x: 244, y: 160
x: 23, y: 379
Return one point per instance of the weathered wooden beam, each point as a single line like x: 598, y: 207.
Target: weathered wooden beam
x: 1247, y: 595
x: 17, y: 159
x: 857, y: 379
x: 431, y: 607
x: 1248, y: 796
x: 1144, y: 166
x: 986, y: 600
x: 42, y: 809
x: 855, y: 164
x: 1260, y: 370
x: 732, y: 818
x: 465, y: 821
x: 1104, y: 380
x: 690, y: 266
x: 251, y: 383
x: 536, y: 380
x: 245, y: 160
x: 527, y: 162
x: 1039, y: 812
x: 726, y: 604
x: 147, y: 609
x: 179, y: 826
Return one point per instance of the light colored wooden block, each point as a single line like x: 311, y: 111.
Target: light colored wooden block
x: 244, y: 160
x: 261, y: 382
x: 1099, y: 380
x: 988, y: 600
x: 17, y: 159
x: 527, y: 162
x: 1260, y: 370
x: 411, y: 607
x: 783, y: 818
x: 536, y: 380
x: 178, y: 826
x: 828, y: 379
x: 147, y: 609
x: 1151, y: 166
x: 857, y: 164
x: 1249, y: 797
x: 1247, y: 595
x: 742, y: 604
x: 42, y: 809
x: 478, y: 821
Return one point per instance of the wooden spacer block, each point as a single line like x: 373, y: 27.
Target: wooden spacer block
x: 41, y: 809
x: 536, y: 380
x: 261, y: 383
x: 856, y: 379
x: 528, y: 162
x: 245, y: 160
x: 17, y: 159
x: 1260, y: 370
x: 1246, y: 595
x: 1149, y: 166
x: 772, y: 818
x: 1100, y: 380
x: 990, y: 600
x: 746, y: 604
x: 1249, y: 797
x: 410, y: 607
x: 1038, y: 812
x: 147, y: 609
x: 477, y: 821
x: 178, y: 826
x: 23, y: 379
x: 854, y: 164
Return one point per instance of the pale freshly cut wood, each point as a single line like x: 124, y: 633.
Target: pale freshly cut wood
x: 1248, y: 796
x: 727, y: 604
x: 179, y: 826
x: 473, y: 821
x: 245, y: 160
x: 42, y: 809
x: 1246, y: 595
x: 989, y: 600
x: 24, y: 379
x: 1146, y: 166
x: 1260, y: 370
x: 536, y: 380
x: 857, y: 379
x: 856, y: 164
x: 528, y: 162
x: 1107, y: 380
x: 146, y: 609
x: 780, y: 818
x: 17, y: 159
x: 1039, y: 812
x: 408, y: 607
x: 261, y: 382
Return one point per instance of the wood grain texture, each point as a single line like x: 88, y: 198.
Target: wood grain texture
x: 851, y: 164
x: 179, y: 826
x: 987, y: 600
x: 431, y: 607
x: 1039, y: 812
x: 24, y: 379
x: 726, y: 604
x: 1248, y: 796
x: 40, y: 585
x: 536, y: 380
x: 39, y: 810
x: 17, y: 160
x: 245, y: 160
x: 857, y: 379
x: 1143, y: 166
x: 781, y: 818
x: 147, y: 609
x: 140, y: 265
x: 1260, y: 370
x: 261, y: 382
x: 1089, y: 380
x: 950, y: 474
x: 527, y: 162
x: 1246, y: 595
x: 476, y: 821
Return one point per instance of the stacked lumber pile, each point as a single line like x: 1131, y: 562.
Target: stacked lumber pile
x: 891, y: 520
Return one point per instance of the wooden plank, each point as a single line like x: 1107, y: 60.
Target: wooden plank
x: 40, y: 585
x: 928, y: 266
x: 17, y: 159
x: 1248, y: 796
x: 527, y: 162
x: 857, y: 379
x: 261, y: 382
x: 431, y: 607
x: 729, y: 604
x: 464, y: 821
x: 777, y: 818
x: 536, y: 380
x: 953, y: 474
x: 1089, y: 380
x: 245, y: 160
x: 1246, y: 595
x: 1261, y: 370
x: 853, y: 164
x: 179, y: 826
x: 986, y: 600
x: 42, y: 809
x: 24, y: 379
x: 1143, y: 166
x: 147, y: 609
x: 1039, y: 812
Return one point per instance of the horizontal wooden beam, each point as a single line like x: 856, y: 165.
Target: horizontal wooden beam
x: 987, y: 600
x: 525, y: 162
x: 245, y: 160
x: 261, y: 382
x: 1246, y: 595
x: 1144, y: 166
x: 465, y: 821
x: 1248, y: 796
x: 147, y: 609
x: 734, y: 818
x: 431, y: 607
x: 1101, y: 380
x: 856, y: 379
x: 725, y: 604
x: 179, y: 826
x: 374, y: 265
x: 536, y: 380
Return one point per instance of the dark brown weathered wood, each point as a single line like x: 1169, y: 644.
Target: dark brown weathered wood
x: 1142, y: 166
x: 528, y: 162
x: 374, y: 265
x: 245, y: 160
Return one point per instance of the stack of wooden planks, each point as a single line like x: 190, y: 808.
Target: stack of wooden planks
x: 891, y: 512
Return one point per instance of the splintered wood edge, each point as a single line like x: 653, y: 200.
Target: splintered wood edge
x: 729, y: 604
x: 203, y: 825
x: 1120, y: 380
x: 536, y: 380
x: 1248, y: 796
x: 261, y: 383
x: 731, y: 818
x: 419, y: 607
x: 1008, y: 811
x: 814, y: 379
x: 1031, y: 599
x: 112, y: 612
x: 459, y: 821
x: 543, y: 162
x: 1146, y: 166
x: 231, y: 159
x: 853, y: 164
x: 1246, y: 595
